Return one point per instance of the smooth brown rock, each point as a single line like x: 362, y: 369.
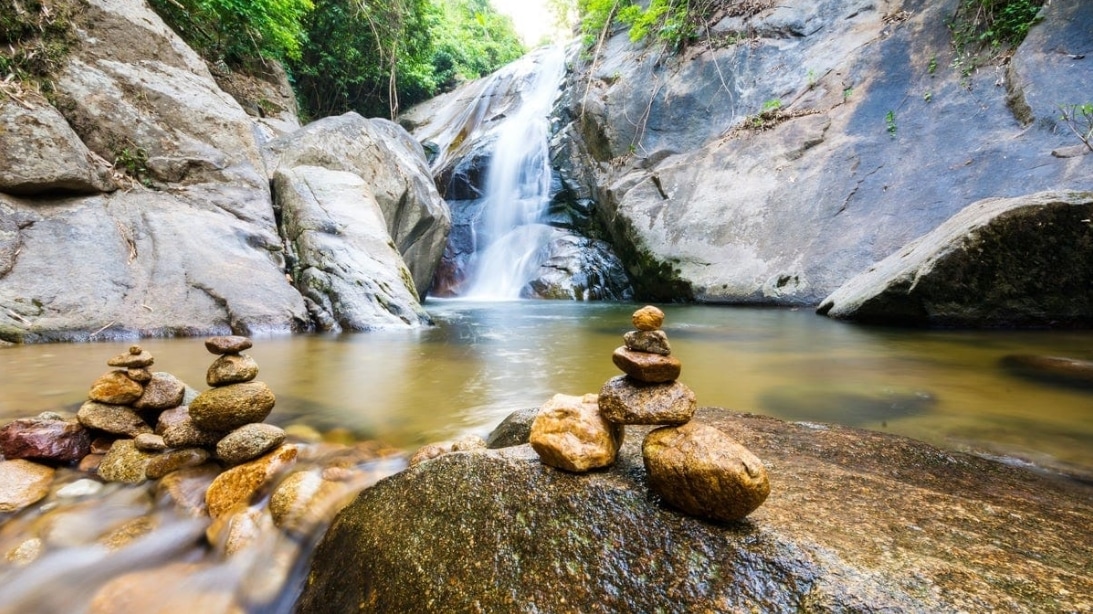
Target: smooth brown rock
x: 163, y: 391
x: 648, y: 318
x: 179, y: 431
x: 305, y: 501
x: 646, y: 367
x: 48, y: 440
x: 651, y: 341
x: 116, y: 388
x: 129, y: 360
x: 174, y: 588
x: 229, y: 407
x: 22, y: 483
x: 125, y: 463
x: 173, y: 460
x: 150, y: 442
x: 231, y: 344
x: 140, y: 375
x: 187, y: 487
x: 128, y: 532
x: 26, y: 552
x: 115, y: 419
x: 231, y: 369
x: 700, y: 470
x: 239, y: 528
x: 569, y: 433
x: 237, y: 485
x: 625, y: 401
x: 248, y: 442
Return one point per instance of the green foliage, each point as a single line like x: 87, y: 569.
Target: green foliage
x: 890, y: 123
x: 1079, y: 118
x: 133, y: 161
x: 35, y: 37
x: 237, y: 31
x: 994, y: 25
x: 471, y: 40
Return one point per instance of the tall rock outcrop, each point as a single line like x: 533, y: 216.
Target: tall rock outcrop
x: 190, y: 244
x: 875, y: 132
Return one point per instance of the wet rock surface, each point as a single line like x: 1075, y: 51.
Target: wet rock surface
x: 569, y: 433
x: 856, y: 521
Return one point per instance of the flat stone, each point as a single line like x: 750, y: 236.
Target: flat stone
x: 700, y: 470
x: 84, y: 487
x: 239, y: 484
x: 179, y: 431
x: 125, y: 463
x: 646, y: 367
x: 648, y: 318
x: 231, y: 344
x: 115, y: 419
x: 650, y: 341
x: 129, y: 360
x: 163, y: 391
x: 229, y: 407
x: 150, y: 442
x: 173, y: 460
x: 626, y: 401
x: 231, y: 369
x: 48, y: 440
x: 23, y: 483
x: 116, y: 388
x: 248, y: 442
x: 569, y: 433
x: 173, y: 588
x: 1060, y: 369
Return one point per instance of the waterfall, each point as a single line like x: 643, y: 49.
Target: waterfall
x: 510, y: 240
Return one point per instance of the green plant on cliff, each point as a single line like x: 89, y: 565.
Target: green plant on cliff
x: 35, y: 37
x: 986, y: 29
x: 1079, y: 118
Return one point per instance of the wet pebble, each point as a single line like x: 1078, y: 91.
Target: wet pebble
x: 249, y: 442
x: 23, y: 483
x: 569, y: 433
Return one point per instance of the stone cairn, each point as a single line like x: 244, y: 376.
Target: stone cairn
x: 208, y: 453
x: 695, y: 468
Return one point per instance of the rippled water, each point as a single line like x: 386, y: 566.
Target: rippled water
x: 484, y: 360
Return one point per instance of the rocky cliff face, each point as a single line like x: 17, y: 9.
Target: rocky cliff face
x: 138, y: 202
x: 876, y: 134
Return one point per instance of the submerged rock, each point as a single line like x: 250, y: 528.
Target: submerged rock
x: 1057, y: 369
x: 859, y: 522
x: 22, y: 483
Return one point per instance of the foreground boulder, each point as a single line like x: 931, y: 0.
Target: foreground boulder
x: 999, y: 262
x: 856, y: 521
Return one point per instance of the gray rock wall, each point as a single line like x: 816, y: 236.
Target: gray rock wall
x: 882, y: 137
x: 139, y: 204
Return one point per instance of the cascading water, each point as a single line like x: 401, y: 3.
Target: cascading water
x: 510, y: 239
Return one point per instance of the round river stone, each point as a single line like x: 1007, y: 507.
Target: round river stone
x: 229, y: 407
x: 648, y: 318
x: 231, y: 369
x: 116, y: 388
x: 700, y: 470
x: 651, y: 341
x: 569, y: 433
x: 231, y: 344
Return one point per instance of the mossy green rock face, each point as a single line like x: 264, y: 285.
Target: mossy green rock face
x: 229, y: 407
x: 856, y: 522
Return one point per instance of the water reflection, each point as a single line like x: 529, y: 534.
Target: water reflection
x: 485, y: 360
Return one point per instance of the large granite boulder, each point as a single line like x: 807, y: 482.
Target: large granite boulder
x: 856, y: 521
x: 999, y: 262
x: 881, y: 134
x: 392, y: 164
x: 343, y: 259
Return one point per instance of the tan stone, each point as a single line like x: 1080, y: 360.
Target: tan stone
x: 239, y: 528
x: 704, y: 472
x: 231, y: 369
x: 174, y: 588
x: 114, y: 419
x: 651, y: 341
x: 232, y: 344
x: 163, y: 391
x: 125, y: 463
x: 229, y: 407
x: 23, y: 483
x: 626, y: 401
x: 115, y: 388
x: 237, y: 485
x: 149, y: 442
x: 248, y: 442
x: 648, y: 318
x: 179, y: 431
x: 646, y: 367
x: 141, y: 375
x: 173, y: 460
x: 569, y: 433
x: 26, y: 552
x: 128, y: 532
x: 187, y: 487
x: 132, y: 360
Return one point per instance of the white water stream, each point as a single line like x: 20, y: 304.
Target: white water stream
x: 511, y: 241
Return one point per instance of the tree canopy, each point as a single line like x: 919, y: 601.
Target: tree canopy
x: 370, y: 56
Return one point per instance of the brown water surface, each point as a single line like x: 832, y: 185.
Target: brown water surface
x: 484, y: 360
